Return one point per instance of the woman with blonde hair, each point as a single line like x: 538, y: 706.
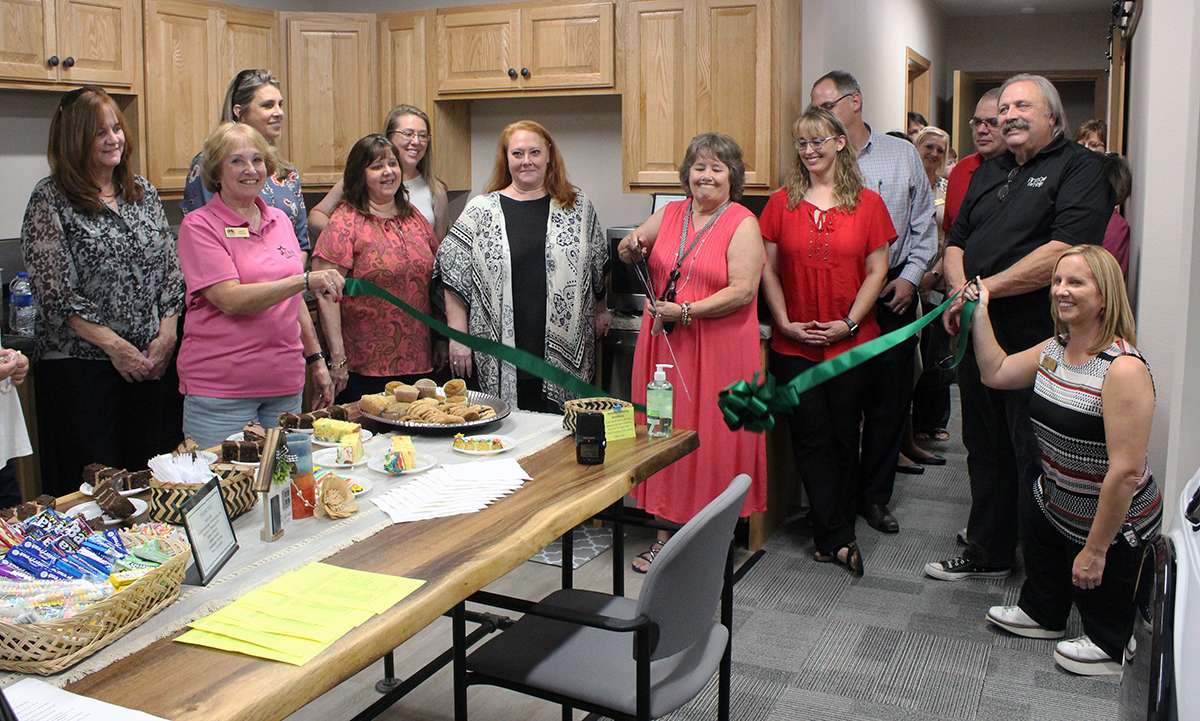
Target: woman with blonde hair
x: 827, y: 251
x: 102, y: 261
x: 524, y: 265
x: 1096, y: 500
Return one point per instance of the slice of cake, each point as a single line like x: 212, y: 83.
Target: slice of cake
x: 135, y: 481
x: 254, y: 432
x: 289, y: 421
x: 241, y: 451
x: 401, y: 457
x: 350, y: 449
x: 331, y: 431
x: 111, y: 501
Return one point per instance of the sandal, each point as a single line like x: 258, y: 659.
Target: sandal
x: 647, y: 556
x: 853, y: 562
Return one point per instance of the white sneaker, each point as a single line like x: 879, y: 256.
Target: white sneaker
x: 1082, y: 656
x: 1016, y: 621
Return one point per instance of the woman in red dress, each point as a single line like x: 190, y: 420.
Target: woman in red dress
x: 705, y: 259
x: 826, y: 242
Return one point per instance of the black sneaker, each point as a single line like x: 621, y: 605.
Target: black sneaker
x: 960, y: 568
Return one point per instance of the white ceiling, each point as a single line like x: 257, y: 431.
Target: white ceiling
x: 974, y: 8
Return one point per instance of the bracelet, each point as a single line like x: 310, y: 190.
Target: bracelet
x: 851, y: 325
x: 310, y: 359
x: 306, y: 288
x: 334, y: 365
x: 686, y: 314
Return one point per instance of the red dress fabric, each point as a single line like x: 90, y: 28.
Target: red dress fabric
x: 959, y: 181
x: 1116, y: 241
x: 821, y: 264
x: 396, y: 255
x: 712, y: 353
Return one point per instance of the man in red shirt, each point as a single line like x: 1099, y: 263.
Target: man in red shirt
x: 989, y: 143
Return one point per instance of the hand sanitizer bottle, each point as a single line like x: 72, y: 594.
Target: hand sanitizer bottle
x: 659, y: 403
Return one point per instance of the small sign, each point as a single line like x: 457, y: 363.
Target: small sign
x: 209, y: 533
x: 618, y: 423
x: 274, y: 484
x: 237, y: 232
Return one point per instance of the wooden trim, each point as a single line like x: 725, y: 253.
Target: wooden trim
x: 918, y: 87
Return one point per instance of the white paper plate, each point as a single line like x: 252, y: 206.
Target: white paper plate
x: 424, y: 463
x: 366, y: 436
x: 92, y: 510
x: 327, y: 458
x: 87, y: 490
x: 508, y: 441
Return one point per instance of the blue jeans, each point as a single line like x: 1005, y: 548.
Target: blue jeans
x: 208, y: 421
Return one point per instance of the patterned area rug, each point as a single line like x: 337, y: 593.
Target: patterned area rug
x: 588, y: 541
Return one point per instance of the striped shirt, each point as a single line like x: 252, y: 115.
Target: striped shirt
x: 1067, y: 413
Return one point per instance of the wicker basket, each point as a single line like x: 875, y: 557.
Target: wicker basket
x: 237, y: 490
x: 48, y: 648
x: 595, y: 405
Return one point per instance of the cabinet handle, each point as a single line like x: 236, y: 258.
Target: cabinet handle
x: 525, y: 73
x: 512, y: 73
x: 52, y: 61
x: 68, y: 62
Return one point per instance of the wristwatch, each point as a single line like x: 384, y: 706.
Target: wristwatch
x: 310, y: 359
x: 851, y: 325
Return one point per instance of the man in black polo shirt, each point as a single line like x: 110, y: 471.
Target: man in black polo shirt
x: 1021, y: 211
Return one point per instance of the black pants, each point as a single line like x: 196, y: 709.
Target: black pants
x: 87, y: 414
x: 10, y: 490
x: 1003, y: 461
x: 531, y: 398
x: 1047, y: 594
x: 825, y: 441
x: 931, y: 397
x: 887, y: 396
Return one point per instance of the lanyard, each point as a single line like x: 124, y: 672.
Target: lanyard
x: 684, y: 248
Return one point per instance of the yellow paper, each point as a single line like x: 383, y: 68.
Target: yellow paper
x: 345, y: 587
x: 225, y: 643
x: 299, y: 648
x: 618, y: 424
x: 325, y: 630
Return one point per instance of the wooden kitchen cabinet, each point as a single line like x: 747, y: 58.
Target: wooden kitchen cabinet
x: 332, y: 87
x: 731, y: 66
x: 525, y: 48
x: 70, y: 41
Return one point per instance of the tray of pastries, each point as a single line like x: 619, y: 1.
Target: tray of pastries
x: 425, y: 406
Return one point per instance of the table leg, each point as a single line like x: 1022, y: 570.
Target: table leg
x: 568, y: 558
x: 458, y: 625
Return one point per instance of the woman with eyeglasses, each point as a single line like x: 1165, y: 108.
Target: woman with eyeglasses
x: 254, y: 98
x: 827, y: 254
x: 376, y: 234
x: 104, y: 269
x: 407, y: 127
x: 704, y: 256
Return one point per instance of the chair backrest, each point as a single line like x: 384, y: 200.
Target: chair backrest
x: 683, y: 586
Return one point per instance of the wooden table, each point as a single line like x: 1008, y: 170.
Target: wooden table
x: 456, y: 556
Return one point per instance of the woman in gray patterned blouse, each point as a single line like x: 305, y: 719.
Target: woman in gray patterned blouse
x: 106, y: 276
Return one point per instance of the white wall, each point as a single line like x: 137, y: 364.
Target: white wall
x: 1164, y: 152
x: 24, y: 128
x: 1073, y: 41
x: 867, y: 39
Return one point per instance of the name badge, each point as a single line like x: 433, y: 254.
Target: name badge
x: 1049, y: 363
x: 238, y: 232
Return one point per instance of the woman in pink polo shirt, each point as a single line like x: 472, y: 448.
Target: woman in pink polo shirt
x: 248, y: 335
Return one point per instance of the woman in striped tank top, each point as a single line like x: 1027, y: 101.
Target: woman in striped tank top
x: 1095, y: 502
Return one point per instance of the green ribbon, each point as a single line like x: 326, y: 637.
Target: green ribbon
x: 522, y: 360
x: 753, y: 405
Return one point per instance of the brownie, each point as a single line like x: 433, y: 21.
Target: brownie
x: 243, y: 451
x: 46, y: 501
x: 135, y: 480
x: 339, y: 413
x: 254, y: 432
x: 290, y: 420
x: 91, y: 472
x: 113, y: 503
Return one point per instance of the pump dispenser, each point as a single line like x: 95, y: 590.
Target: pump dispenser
x: 660, y: 402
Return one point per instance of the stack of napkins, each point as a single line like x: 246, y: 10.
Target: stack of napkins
x: 452, y: 489
x: 299, y: 614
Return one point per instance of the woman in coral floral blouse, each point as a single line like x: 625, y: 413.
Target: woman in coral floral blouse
x: 376, y: 235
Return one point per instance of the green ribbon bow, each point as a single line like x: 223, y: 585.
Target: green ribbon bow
x: 753, y: 405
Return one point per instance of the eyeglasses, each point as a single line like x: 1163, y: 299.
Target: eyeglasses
x: 832, y: 103
x: 1002, y: 194
x: 991, y: 122
x: 816, y: 143
x: 409, y: 134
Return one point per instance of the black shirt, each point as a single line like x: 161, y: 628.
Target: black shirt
x: 1059, y: 194
x: 525, y: 225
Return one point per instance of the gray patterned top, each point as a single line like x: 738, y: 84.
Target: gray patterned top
x: 116, y: 268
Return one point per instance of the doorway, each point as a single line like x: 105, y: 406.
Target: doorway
x: 918, y: 88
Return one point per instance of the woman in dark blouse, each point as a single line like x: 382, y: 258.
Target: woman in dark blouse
x: 106, y: 276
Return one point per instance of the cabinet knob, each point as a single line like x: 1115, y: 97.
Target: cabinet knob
x: 52, y: 61
x: 68, y: 62
x: 512, y: 73
x: 525, y: 73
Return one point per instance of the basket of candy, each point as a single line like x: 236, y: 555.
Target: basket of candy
x: 66, y: 590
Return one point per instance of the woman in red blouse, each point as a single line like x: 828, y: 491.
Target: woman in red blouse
x: 375, y: 234
x: 826, y: 240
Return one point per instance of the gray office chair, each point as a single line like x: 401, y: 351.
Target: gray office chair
x: 573, y: 647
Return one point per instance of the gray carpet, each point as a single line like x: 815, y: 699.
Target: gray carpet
x: 810, y: 642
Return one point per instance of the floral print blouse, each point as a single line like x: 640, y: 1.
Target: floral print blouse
x: 284, y: 194
x: 115, y: 268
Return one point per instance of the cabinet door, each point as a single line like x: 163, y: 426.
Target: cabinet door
x: 250, y: 39
x: 657, y: 113
x: 183, y: 92
x: 478, y: 50
x: 27, y: 40
x: 101, y: 41
x: 402, y: 48
x: 733, y: 83
x: 567, y: 46
x: 331, y: 88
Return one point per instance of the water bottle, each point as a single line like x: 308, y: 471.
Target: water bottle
x: 659, y: 404
x: 22, y: 310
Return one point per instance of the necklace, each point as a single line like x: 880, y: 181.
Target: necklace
x: 685, y: 249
